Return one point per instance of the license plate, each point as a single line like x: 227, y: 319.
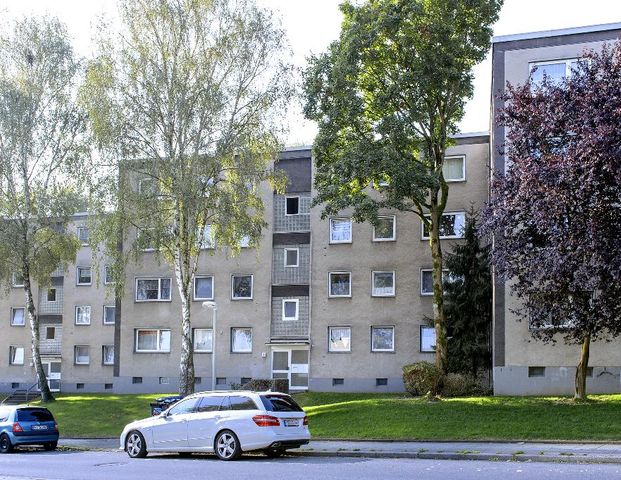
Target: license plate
x: 292, y: 423
x: 39, y: 427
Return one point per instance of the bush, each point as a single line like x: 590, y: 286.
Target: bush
x: 421, y: 378
x: 459, y: 385
x: 280, y: 385
x: 257, y: 385
x: 264, y: 384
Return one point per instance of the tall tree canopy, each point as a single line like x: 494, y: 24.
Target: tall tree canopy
x: 556, y: 214
x: 187, y: 102
x: 43, y: 160
x: 387, y: 95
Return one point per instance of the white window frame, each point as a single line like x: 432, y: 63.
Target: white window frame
x: 47, y: 295
x: 79, y: 231
x: 338, y: 350
x: 251, y: 340
x: 157, y: 339
x: 351, y: 230
x: 297, y: 259
x: 297, y: 309
x: 463, y: 168
x: 75, y: 355
x: 89, y: 309
x: 77, y: 276
x: 394, y: 229
x: 105, y: 307
x: 47, y: 330
x: 14, y: 283
x: 13, y: 316
x: 424, y: 327
x: 197, y: 350
x: 299, y: 205
x: 330, y: 284
x: 444, y: 237
x: 445, y: 271
x: 233, y: 297
x: 107, y: 281
x: 159, y: 289
x: 566, y: 61
x: 197, y: 277
x: 103, y: 355
x: 373, y: 349
x: 12, y: 348
x: 394, y: 284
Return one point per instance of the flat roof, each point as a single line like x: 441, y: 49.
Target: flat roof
x: 470, y: 134
x: 557, y: 33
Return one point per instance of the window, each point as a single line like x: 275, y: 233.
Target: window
x: 339, y: 284
x: 292, y: 256
x: 109, y: 315
x: 152, y: 289
x: 241, y: 287
x: 245, y: 380
x: 197, y: 380
x: 83, y: 235
x: 108, y: 386
x: 108, y: 276
x: 536, y: 371
x: 107, y: 354
x: 454, y: 168
x: 426, y: 280
x: 203, y: 288
x: 83, y: 315
x: 241, y: 403
x: 427, y: 338
x: 16, y: 355
x: 203, y: 340
x: 554, y: 70
x: 382, y: 339
x: 383, y: 284
x: 18, y: 317
x: 381, y: 382
x: 51, y: 294
x: 338, y: 381
x: 385, y: 230
x: 152, y: 341
x: 339, y: 339
x: 241, y: 340
x: 164, y: 380
x: 184, y: 406
x: 81, y: 355
x: 50, y: 333
x: 79, y: 386
x: 207, y: 239
x: 340, y: 230
x: 220, y: 380
x: 290, y: 309
x: 84, y: 276
x: 451, y: 226
x: 209, y: 404
x: 136, y: 380
x: 17, y: 280
x: 292, y: 205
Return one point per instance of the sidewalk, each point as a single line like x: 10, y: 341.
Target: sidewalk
x: 498, y: 451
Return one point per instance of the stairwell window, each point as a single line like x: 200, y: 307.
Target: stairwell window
x: 292, y: 257
x: 290, y: 309
x: 16, y: 355
x: 18, y: 317
x: 83, y: 235
x: 51, y: 294
x: 292, y: 206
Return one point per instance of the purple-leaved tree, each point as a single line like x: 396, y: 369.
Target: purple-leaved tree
x: 556, y: 212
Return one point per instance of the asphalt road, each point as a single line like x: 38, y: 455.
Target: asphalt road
x: 72, y: 465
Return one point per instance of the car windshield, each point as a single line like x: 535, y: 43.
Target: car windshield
x: 280, y: 403
x: 34, y: 415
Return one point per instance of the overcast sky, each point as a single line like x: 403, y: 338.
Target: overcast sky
x: 313, y: 24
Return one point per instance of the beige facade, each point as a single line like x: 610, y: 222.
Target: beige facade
x: 523, y: 365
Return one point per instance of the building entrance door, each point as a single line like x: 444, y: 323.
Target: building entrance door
x: 292, y: 364
x: 52, y: 369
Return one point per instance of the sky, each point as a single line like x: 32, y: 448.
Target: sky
x: 312, y: 24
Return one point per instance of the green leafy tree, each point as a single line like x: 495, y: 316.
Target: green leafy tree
x: 43, y: 160
x: 186, y: 102
x: 468, y: 301
x: 387, y: 95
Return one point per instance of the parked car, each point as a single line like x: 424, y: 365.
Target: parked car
x: 225, y: 422
x: 162, y: 403
x: 24, y: 425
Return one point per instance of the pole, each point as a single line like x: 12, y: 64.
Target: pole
x: 213, y: 349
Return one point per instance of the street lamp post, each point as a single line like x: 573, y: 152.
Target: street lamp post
x: 214, y: 308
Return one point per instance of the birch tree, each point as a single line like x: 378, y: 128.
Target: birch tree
x: 42, y: 160
x: 186, y: 102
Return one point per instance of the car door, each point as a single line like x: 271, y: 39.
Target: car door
x: 170, y: 430
x: 203, y: 425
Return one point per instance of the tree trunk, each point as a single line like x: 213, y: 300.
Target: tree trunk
x: 33, y: 319
x: 438, y: 289
x: 581, y: 370
x: 186, y: 365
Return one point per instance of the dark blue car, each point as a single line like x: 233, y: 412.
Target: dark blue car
x: 23, y: 425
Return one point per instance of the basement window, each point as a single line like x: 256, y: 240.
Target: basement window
x: 536, y: 371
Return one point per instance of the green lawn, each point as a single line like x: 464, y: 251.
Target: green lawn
x: 381, y: 416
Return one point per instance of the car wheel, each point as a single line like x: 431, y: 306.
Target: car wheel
x: 227, y: 446
x: 273, y: 453
x: 135, y: 445
x: 50, y: 446
x: 5, y: 444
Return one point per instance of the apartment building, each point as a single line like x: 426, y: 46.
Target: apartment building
x: 521, y: 365
x: 329, y: 304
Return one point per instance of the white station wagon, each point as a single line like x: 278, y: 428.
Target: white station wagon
x: 225, y: 422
